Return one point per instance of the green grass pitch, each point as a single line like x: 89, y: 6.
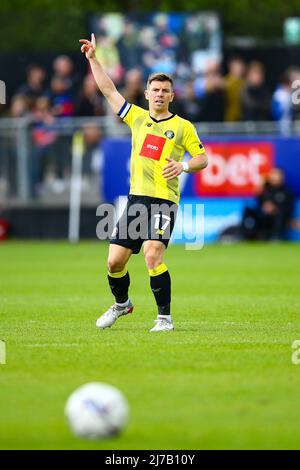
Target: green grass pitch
x: 223, y: 379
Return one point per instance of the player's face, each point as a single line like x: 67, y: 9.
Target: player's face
x: 159, y: 95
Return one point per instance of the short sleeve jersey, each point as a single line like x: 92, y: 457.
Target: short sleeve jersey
x: 152, y: 142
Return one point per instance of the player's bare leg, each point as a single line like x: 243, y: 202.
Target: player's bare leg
x: 160, y: 283
x: 118, y: 278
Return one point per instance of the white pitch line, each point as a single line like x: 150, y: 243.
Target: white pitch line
x: 47, y: 345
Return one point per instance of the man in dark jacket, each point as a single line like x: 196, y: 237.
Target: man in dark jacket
x: 268, y: 221
x: 275, y: 205
x: 255, y: 98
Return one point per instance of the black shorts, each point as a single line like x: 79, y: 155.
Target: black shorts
x: 144, y: 218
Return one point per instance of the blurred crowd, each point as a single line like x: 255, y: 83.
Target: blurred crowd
x: 240, y: 94
x: 187, y: 47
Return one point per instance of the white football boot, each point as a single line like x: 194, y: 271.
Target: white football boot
x: 163, y: 323
x: 112, y: 314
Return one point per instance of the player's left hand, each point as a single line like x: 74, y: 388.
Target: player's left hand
x: 172, y: 169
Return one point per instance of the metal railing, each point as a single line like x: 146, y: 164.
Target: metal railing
x: 35, y: 158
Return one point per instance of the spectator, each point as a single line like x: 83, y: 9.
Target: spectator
x: 128, y: 46
x: 42, y: 119
x: 19, y: 106
x: 164, y: 36
x: 89, y: 102
x: 149, y: 47
x: 61, y: 97
x: 63, y: 68
x: 213, y: 99
x: 34, y: 86
x: 93, y: 157
x: 62, y: 106
x: 269, y: 219
x: 164, y: 62
x: 190, y: 106
x: 274, y: 206
x: 282, y: 104
x: 195, y: 35
x: 255, y: 97
x: 92, y: 160
x: 108, y: 55
x: 44, y: 136
x: 19, y: 109
x: 234, y: 82
x: 134, y: 88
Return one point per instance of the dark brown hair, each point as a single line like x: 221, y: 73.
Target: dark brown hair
x: 159, y: 77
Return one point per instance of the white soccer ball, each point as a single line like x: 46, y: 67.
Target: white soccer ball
x: 96, y: 410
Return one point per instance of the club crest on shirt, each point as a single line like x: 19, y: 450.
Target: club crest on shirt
x: 169, y: 134
x: 149, y: 124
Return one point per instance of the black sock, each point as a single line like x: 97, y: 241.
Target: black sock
x: 119, y: 286
x: 161, y: 288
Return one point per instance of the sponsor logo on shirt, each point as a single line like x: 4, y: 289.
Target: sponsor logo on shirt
x: 153, y: 146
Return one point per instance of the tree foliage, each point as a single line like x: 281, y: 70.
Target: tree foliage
x: 56, y: 24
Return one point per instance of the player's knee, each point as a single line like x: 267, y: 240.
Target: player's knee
x: 115, y: 266
x: 152, y: 260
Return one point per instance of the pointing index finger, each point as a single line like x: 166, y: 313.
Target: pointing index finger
x: 93, y: 40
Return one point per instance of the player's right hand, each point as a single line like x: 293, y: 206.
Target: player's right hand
x: 89, y: 47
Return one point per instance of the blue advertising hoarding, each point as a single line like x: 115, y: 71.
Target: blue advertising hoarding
x: 219, y: 212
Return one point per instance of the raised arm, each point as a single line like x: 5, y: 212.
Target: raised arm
x: 105, y: 84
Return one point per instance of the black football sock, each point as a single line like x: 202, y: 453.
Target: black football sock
x: 119, y: 285
x: 160, y: 282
